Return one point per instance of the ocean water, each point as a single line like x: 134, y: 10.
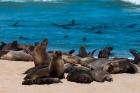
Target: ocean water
x: 117, y: 20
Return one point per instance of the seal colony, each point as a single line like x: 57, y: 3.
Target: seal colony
x: 50, y: 66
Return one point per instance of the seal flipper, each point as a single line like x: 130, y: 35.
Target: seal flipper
x: 41, y: 81
x: 71, y: 51
x: 136, y: 55
x: 92, y: 54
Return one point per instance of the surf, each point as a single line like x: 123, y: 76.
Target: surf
x: 27, y: 0
x: 137, y: 2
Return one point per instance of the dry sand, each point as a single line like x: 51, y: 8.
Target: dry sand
x: 11, y: 78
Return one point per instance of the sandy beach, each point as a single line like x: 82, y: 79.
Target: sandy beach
x: 11, y: 78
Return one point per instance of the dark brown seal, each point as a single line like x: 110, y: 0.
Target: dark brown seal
x: 105, y: 53
x: 82, y: 52
x: 136, y: 55
x: 57, y: 65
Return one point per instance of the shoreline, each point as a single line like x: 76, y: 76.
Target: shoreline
x: 12, y: 77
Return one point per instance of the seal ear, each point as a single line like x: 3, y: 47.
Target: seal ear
x: 44, y: 42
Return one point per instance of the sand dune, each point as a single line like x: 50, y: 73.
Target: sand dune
x: 11, y: 78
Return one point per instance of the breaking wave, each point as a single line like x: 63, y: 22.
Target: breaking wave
x: 137, y: 2
x: 27, y: 0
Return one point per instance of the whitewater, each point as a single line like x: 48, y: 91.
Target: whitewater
x: 137, y: 2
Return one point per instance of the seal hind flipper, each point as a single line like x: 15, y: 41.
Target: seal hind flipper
x: 92, y: 54
x: 136, y: 55
x: 41, y: 81
x: 71, y: 51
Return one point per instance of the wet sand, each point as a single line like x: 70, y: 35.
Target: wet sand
x: 11, y: 78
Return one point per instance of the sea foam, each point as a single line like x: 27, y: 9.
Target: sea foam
x: 137, y: 2
x: 27, y: 0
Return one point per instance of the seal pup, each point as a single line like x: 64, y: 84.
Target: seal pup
x: 56, y: 67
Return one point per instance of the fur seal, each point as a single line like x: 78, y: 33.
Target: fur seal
x: 121, y: 66
x: 2, y: 45
x: 113, y: 66
x: 55, y: 69
x: 105, y: 53
x: 136, y: 55
x: 11, y: 46
x: 37, y: 73
x: 79, y: 75
x: 15, y: 46
x: 39, y: 54
x: 17, y: 56
x: 82, y: 52
x: 57, y: 65
x: 87, y: 75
